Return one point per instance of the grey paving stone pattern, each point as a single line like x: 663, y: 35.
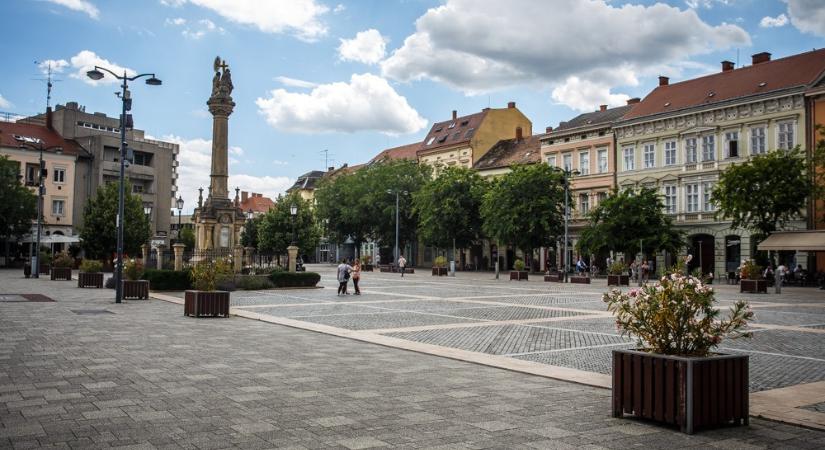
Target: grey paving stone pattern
x: 141, y: 375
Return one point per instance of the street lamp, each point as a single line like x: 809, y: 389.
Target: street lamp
x: 250, y: 214
x: 293, y: 211
x: 396, y: 192
x: 126, y: 100
x: 179, y: 204
x: 567, y: 174
x: 41, y: 192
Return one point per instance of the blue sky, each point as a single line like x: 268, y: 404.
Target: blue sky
x: 357, y: 77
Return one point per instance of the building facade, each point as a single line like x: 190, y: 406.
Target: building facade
x: 683, y: 135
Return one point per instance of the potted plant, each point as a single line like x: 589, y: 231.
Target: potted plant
x: 91, y: 274
x: 133, y: 286
x: 440, y: 267
x: 751, y: 280
x: 617, y: 275
x: 519, y: 273
x: 205, y: 300
x: 366, y: 263
x: 674, y: 376
x: 62, y: 267
x: 44, y: 262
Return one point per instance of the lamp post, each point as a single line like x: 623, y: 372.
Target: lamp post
x: 179, y: 204
x: 567, y: 174
x: 396, y: 192
x: 41, y: 192
x: 126, y: 100
x: 250, y: 214
x: 293, y: 211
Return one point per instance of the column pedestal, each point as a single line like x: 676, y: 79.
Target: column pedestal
x: 178, y: 249
x: 292, y: 251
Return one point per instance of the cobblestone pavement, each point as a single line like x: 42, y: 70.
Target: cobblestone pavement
x: 83, y: 372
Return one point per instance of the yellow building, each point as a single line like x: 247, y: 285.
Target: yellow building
x: 683, y: 135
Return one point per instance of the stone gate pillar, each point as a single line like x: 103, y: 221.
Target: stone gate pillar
x: 178, y: 249
x: 237, y: 258
x: 144, y: 250
x: 160, y: 249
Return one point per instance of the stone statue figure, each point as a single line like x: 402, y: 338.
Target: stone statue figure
x: 216, y: 84
x: 226, y: 83
x: 222, y: 81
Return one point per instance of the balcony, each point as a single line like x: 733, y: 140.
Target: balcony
x: 709, y: 165
x: 690, y: 167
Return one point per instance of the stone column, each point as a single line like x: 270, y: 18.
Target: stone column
x: 144, y: 249
x: 237, y: 258
x: 248, y: 252
x: 160, y: 256
x: 292, y: 251
x: 178, y: 248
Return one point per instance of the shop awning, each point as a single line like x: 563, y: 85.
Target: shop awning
x: 804, y: 241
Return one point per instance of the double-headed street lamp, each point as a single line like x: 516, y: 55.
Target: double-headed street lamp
x: 568, y: 173
x: 41, y: 192
x: 396, y: 192
x: 126, y: 100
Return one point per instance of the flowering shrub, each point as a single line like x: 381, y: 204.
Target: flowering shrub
x: 206, y: 275
x: 750, y: 271
x: 518, y: 265
x: 133, y: 270
x: 617, y: 268
x: 62, y: 260
x: 440, y: 261
x: 676, y: 316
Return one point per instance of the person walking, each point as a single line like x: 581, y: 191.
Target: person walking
x: 356, y: 276
x: 402, y: 264
x: 344, y: 270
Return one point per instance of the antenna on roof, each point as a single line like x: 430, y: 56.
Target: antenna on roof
x: 49, y: 81
x: 327, y: 159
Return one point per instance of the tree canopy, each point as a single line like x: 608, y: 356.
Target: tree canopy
x: 449, y: 208
x: 765, y: 192
x: 275, y: 227
x: 18, y: 204
x: 525, y: 207
x: 624, y: 219
x: 340, y: 200
x: 99, y: 229
x: 249, y: 234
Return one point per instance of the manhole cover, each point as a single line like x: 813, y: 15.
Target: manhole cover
x: 83, y: 312
x: 24, y: 298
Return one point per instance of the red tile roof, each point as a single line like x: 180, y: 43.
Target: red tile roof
x: 257, y: 203
x: 401, y: 152
x: 15, y: 134
x: 452, y: 132
x: 779, y: 74
x: 508, y: 152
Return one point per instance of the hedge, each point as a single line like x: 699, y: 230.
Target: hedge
x: 168, y: 280
x: 294, y: 279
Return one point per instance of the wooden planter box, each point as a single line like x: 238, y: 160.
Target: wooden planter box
x: 90, y: 279
x: 206, y: 303
x: 27, y: 270
x: 689, y: 392
x: 439, y: 271
x: 753, y: 286
x: 555, y: 277
x: 138, y: 289
x: 367, y: 268
x: 61, y: 273
x: 618, y: 280
x: 580, y: 280
x: 518, y: 275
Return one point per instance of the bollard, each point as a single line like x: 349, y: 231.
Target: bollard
x: 777, y: 283
x: 496, y: 270
x: 452, y: 268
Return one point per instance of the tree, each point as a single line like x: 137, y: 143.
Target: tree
x: 525, y: 207
x: 624, y: 219
x: 765, y: 192
x: 449, y: 208
x: 340, y: 201
x: 249, y: 234
x: 275, y: 227
x: 187, y: 238
x: 99, y: 229
x: 18, y: 204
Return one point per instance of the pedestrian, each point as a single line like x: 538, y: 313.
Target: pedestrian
x: 344, y: 270
x: 402, y: 264
x: 356, y: 276
x: 581, y: 267
x: 645, y: 271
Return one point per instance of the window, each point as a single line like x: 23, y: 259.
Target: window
x: 785, y: 136
x: 452, y: 125
x: 732, y: 139
x: 584, y: 203
x: 59, y: 175
x: 551, y: 160
x: 690, y: 151
x: 57, y: 207
x: 443, y: 138
x: 670, y: 199
x: 584, y: 163
x: 650, y: 156
x: 708, y: 148
x: 757, y: 140
x: 567, y: 163
x: 707, y: 190
x: 137, y: 188
x: 628, y: 158
x: 670, y: 153
x: 430, y: 140
x: 602, y: 161
x: 692, y: 197
x: 602, y: 197
x: 32, y: 176
x: 143, y: 159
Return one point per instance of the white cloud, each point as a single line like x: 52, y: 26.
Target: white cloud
x: 86, y: 60
x: 79, y: 5
x: 195, y: 30
x: 294, y: 82
x: 177, y: 21
x: 5, y: 103
x: 173, y: 3
x: 196, y: 162
x: 773, y: 22
x: 339, y: 8
x: 808, y: 16
x: 57, y: 65
x: 278, y: 162
x: 708, y: 4
x: 298, y: 17
x: 368, y: 47
x: 367, y: 102
x: 480, y: 45
x: 583, y: 95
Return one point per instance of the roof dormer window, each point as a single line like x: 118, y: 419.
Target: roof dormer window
x: 464, y: 123
x: 430, y: 141
x: 452, y: 125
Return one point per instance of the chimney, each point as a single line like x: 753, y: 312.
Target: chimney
x: 49, y: 118
x: 663, y: 81
x: 602, y: 107
x: 244, y: 196
x: 519, y: 136
x: 726, y: 66
x: 511, y: 105
x: 760, y: 58
x: 633, y: 101
x: 486, y: 109
x: 548, y: 130
x: 330, y: 169
x: 259, y: 195
x: 455, y: 114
